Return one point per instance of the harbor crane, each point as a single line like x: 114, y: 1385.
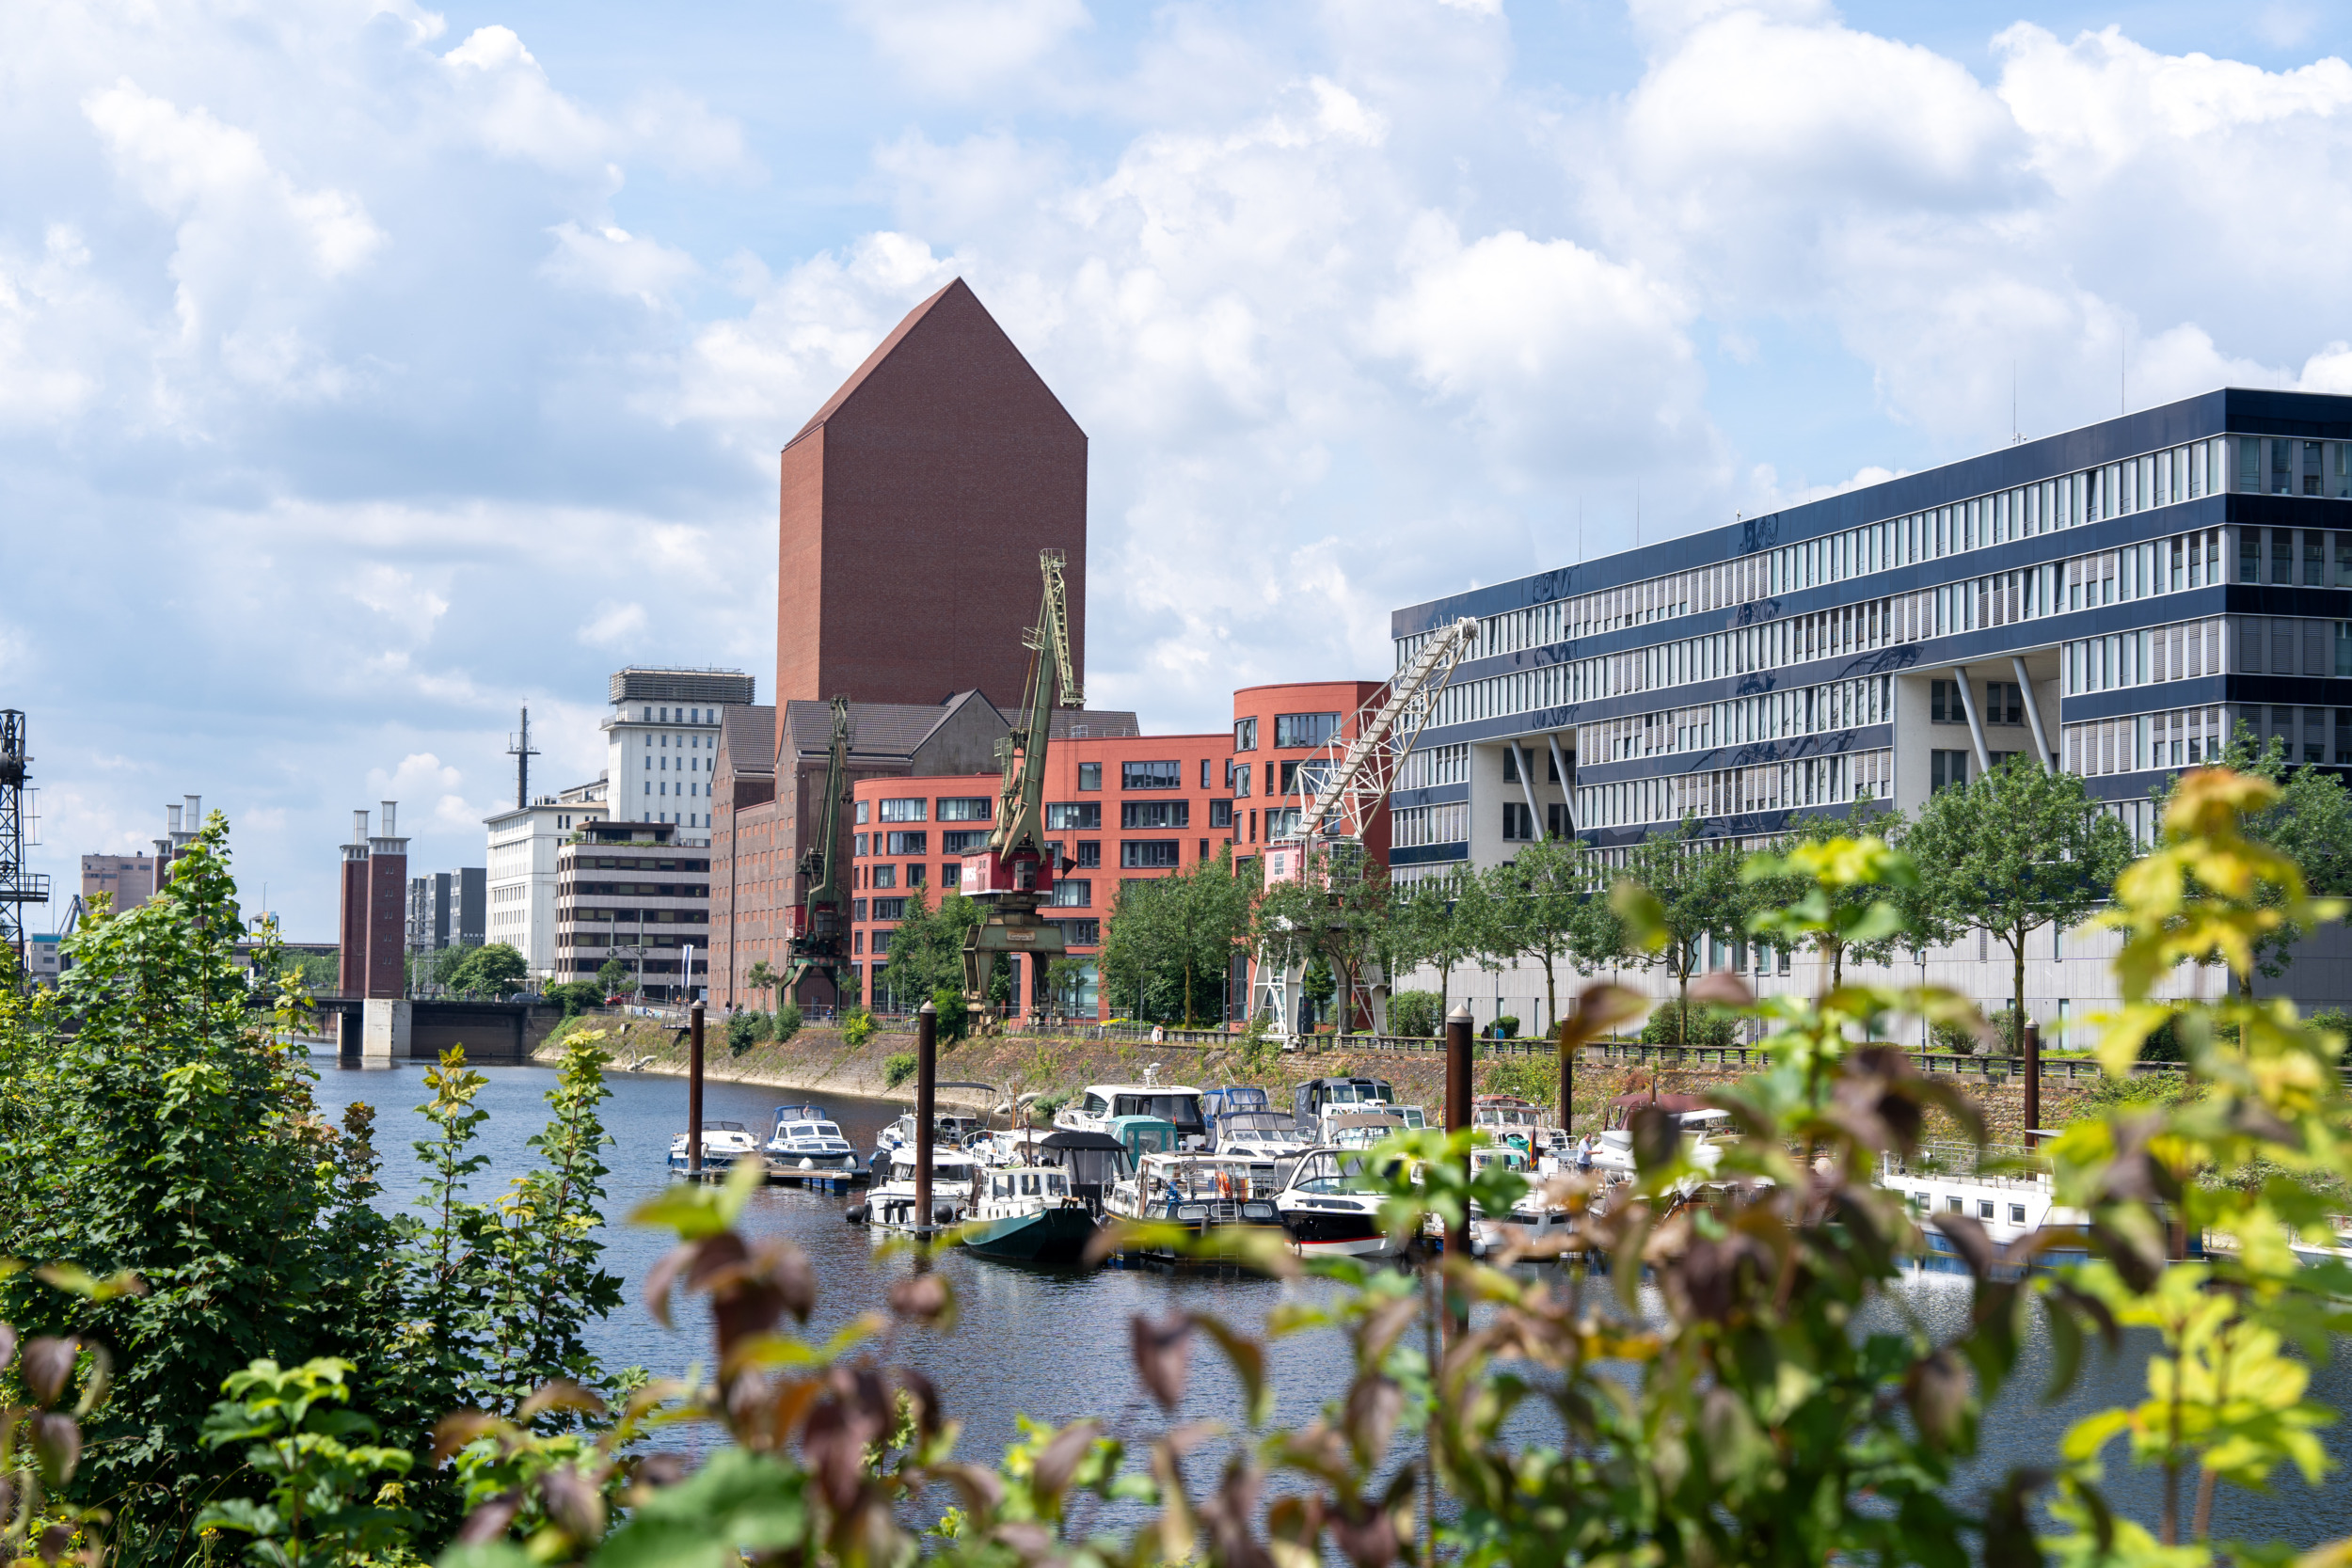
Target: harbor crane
x: 1013, y: 873
x: 1334, y: 798
x: 816, y: 926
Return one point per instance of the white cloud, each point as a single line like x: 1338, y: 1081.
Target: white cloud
x: 958, y: 47
x: 615, y: 624
x: 612, y: 261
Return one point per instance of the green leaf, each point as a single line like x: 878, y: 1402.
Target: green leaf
x: 737, y: 1502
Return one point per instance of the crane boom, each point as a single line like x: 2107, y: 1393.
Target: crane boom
x: 817, y: 945
x: 1349, y: 784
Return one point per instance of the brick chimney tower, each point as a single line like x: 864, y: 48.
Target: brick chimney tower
x: 385, y: 1025
x: 351, y: 963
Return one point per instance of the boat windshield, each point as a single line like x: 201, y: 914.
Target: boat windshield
x: 1038, y: 1182
x: 1183, y: 1110
x: 1260, y: 1122
x: 1327, y: 1171
x: 724, y: 1127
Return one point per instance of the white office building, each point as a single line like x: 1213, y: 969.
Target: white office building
x: 525, y: 842
x: 662, y: 737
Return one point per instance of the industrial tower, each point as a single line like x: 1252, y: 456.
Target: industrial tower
x: 18, y: 886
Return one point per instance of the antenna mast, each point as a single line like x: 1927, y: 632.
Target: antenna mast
x: 518, y: 747
x: 18, y: 886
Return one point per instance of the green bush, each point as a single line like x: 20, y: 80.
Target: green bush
x: 897, y: 1067
x: 746, y: 1029
x: 1507, y: 1026
x: 1711, y: 1028
x: 1962, y: 1042
x: 1413, y: 1013
x: 955, y: 1018
x: 786, y: 1021
x: 575, y: 996
x: 857, y: 1027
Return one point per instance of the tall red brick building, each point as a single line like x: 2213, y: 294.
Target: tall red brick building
x: 911, y: 509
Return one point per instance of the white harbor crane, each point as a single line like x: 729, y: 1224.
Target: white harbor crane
x: 1336, y: 794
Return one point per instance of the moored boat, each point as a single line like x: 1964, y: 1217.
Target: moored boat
x: 723, y: 1144
x: 1330, y: 1205
x: 1028, y: 1214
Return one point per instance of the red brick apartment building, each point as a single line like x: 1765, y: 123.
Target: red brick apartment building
x: 1122, y: 809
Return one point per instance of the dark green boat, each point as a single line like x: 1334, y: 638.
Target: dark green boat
x: 1058, y: 1234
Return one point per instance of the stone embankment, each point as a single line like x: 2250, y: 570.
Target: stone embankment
x: 819, y: 1061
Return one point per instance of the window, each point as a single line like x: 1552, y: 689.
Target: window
x: 886, y: 876
x: 1220, y: 813
x: 916, y: 874
x: 1948, y: 769
x: 857, y: 911
x: 881, y: 941
x: 1245, y: 735
x: 1156, y: 813
x: 965, y: 808
x: 1280, y: 822
x: 2004, y: 703
x: 910, y: 810
x: 1074, y: 817
x: 950, y: 876
x: 910, y: 844
x: 889, y: 909
x: 1556, y: 823
x: 967, y: 841
x: 857, y: 843
x: 1238, y: 775
x: 1291, y: 730
x: 1081, y: 933
x: 2016, y: 1214
x: 1071, y: 895
x: 1943, y: 706
x: 1090, y: 775
x: 861, y: 813
x: 1517, y: 821
x: 1148, y: 775
x: 1204, y: 774
x: 1140, y: 854
x: 1089, y: 853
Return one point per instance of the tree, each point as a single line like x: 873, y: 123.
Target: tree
x: 1830, y: 939
x: 1316, y: 987
x: 927, y: 948
x: 613, y: 975
x: 447, y: 961
x: 2013, y: 852
x: 760, y: 979
x: 1179, y: 931
x: 2310, y: 822
x: 499, y: 969
x: 1441, y: 923
x: 1694, y: 887
x: 1536, y: 903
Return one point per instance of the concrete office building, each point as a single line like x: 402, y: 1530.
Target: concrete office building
x: 662, y: 739
x: 638, y: 892
x: 129, y: 881
x: 521, y: 880
x: 2117, y: 599
x: 448, y: 908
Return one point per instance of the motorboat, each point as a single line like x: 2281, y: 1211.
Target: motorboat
x: 1198, y: 1192
x: 1362, y: 1129
x: 1028, y: 1214
x: 1231, y: 1100
x: 1330, y: 1206
x: 1140, y: 1135
x: 1509, y: 1119
x: 1094, y: 1109
x: 1709, y: 1130
x: 723, y: 1144
x: 950, y: 1128
x: 1259, y: 1135
x: 806, y: 1142
x: 891, y: 1204
x: 1316, y: 1099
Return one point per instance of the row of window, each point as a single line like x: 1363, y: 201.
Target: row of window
x: 2179, y: 737
x: 2004, y: 704
x: 953, y: 808
x: 2177, y: 563
x: 1518, y: 821
x: 1292, y: 730
x: 2174, y: 653
x: 1735, y: 791
x: 685, y: 765
x: 634, y: 862
x: 685, y: 716
x: 1426, y: 767
x: 2115, y: 489
x: 601, y: 916
x: 1413, y: 826
x: 576, y: 889
x: 1771, y: 716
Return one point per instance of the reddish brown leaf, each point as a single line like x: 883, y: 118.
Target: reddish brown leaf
x: 7, y: 1343
x: 573, y: 1501
x: 922, y: 1298
x: 560, y: 1394
x: 57, y: 1443
x: 1374, y: 1405
x: 924, y: 1393
x: 489, y: 1522
x: 1229, y: 1513
x: 1936, y: 1388
x: 1968, y: 1239
x: 658, y: 1280
x: 1369, y: 1540
x: 1163, y: 1354
x: 46, y: 1365
x: 1724, y: 988
x: 1050, y: 1477
x: 454, y: 1431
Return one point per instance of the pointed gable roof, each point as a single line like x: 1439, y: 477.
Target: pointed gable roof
x: 950, y: 325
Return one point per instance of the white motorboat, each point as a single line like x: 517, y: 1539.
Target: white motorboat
x: 1200, y: 1192
x: 890, y: 1205
x: 1259, y: 1136
x: 806, y: 1142
x: 1100, y: 1105
x: 1331, y: 1205
x: 723, y: 1144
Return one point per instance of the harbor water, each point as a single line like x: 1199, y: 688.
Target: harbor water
x: 1052, y: 1344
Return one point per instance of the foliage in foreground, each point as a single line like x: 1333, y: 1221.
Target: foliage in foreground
x: 1745, y: 1418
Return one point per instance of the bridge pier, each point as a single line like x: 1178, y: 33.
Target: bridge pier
x: 385, y: 1029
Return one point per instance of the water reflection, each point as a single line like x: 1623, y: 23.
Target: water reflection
x: 1053, y: 1343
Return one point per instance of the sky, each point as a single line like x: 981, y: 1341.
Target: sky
x: 368, y: 371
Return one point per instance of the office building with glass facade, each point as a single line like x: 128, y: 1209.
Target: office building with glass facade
x: 2116, y: 599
